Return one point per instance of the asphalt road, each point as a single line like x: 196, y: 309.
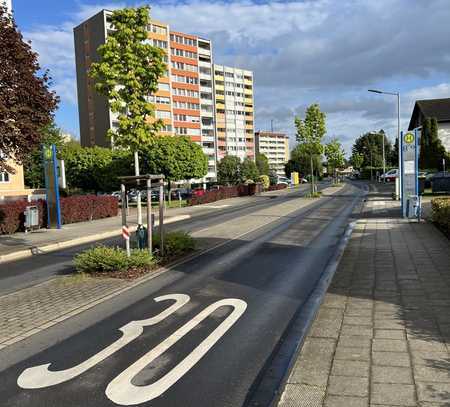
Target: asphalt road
x: 32, y: 270
x: 216, y: 321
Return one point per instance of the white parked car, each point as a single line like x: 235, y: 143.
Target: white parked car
x: 390, y: 175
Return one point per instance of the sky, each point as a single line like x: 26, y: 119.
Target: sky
x: 302, y: 52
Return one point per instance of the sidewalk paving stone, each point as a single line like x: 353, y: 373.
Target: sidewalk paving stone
x: 392, y: 290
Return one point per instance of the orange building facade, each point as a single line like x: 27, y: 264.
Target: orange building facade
x: 185, y: 100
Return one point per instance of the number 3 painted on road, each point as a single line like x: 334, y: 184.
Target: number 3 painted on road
x: 120, y: 390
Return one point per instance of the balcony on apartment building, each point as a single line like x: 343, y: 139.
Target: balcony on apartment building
x: 204, y: 47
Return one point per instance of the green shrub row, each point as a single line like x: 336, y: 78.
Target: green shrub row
x: 441, y: 214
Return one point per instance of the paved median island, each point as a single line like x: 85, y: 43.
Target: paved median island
x: 382, y: 334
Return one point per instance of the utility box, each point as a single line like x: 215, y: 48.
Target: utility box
x: 31, y: 214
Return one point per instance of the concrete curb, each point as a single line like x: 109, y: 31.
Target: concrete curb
x: 35, y: 250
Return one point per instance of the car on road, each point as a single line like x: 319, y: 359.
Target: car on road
x: 283, y: 180
x: 389, y: 176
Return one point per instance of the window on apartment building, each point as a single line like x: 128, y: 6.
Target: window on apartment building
x: 207, y: 108
x: 219, y: 73
x: 220, y: 92
x: 181, y: 130
x: 204, y: 70
x: 4, y: 177
x: 185, y: 79
x: 162, y: 100
x: 159, y: 43
x: 231, y: 84
x: 204, y: 45
x: 156, y: 29
x: 229, y: 74
x: 162, y: 114
x: 247, y: 77
x: 167, y: 128
x: 164, y: 86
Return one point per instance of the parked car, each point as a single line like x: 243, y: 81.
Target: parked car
x: 198, y: 192
x: 303, y: 181
x: 283, y: 180
x: 184, y: 193
x: 389, y: 176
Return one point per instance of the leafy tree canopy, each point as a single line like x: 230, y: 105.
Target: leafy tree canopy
x: 335, y: 155
x: 228, y: 170
x: 432, y: 152
x: 262, y: 162
x: 311, y: 130
x: 26, y: 103
x: 127, y: 74
x: 177, y: 158
x: 248, y: 170
x: 370, y: 146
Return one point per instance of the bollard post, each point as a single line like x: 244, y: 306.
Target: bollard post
x: 125, y: 232
x: 149, y: 215
x: 161, y: 216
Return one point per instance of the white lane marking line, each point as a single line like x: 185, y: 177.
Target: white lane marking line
x: 121, y: 391
x: 40, y: 376
x: 217, y: 206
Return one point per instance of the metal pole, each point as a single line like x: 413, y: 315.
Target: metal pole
x: 139, y: 205
x: 124, y: 217
x: 399, y: 146
x: 161, y: 216
x: 384, y: 159
x: 149, y: 215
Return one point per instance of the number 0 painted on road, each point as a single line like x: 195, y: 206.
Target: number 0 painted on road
x: 120, y: 390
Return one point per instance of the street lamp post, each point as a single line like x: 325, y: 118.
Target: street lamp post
x: 398, y: 133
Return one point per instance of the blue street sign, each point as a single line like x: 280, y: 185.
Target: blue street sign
x: 52, y: 186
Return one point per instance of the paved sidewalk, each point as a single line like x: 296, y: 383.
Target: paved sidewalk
x: 382, y: 334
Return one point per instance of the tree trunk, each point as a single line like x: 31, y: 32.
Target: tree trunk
x: 312, y: 175
x: 139, y: 206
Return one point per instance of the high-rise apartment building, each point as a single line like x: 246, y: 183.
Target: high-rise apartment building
x: 234, y: 112
x: 185, y: 100
x: 275, y: 146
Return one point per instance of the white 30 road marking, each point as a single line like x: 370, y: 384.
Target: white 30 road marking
x: 39, y: 376
x: 120, y: 390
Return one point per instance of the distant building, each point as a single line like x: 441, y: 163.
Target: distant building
x: 275, y: 146
x: 433, y: 108
x: 233, y: 89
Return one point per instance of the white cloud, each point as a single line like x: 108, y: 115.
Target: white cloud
x: 302, y: 52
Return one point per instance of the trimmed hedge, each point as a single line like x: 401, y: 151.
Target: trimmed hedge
x: 74, y: 209
x: 83, y: 208
x: 221, y: 193
x: 277, y: 187
x: 441, y: 214
x: 12, y: 217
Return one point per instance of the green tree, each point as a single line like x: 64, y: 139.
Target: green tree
x: 228, y: 170
x: 370, y: 146
x: 262, y: 162
x: 300, y: 161
x: 248, y: 170
x: 127, y: 75
x: 177, y: 158
x: 33, y: 164
x: 357, y: 160
x: 95, y: 169
x: 26, y: 103
x: 335, y: 155
x: 432, y: 152
x: 310, y: 133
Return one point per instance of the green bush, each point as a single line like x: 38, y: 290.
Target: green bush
x: 265, y: 180
x: 104, y: 259
x: 441, y: 214
x: 175, y: 243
